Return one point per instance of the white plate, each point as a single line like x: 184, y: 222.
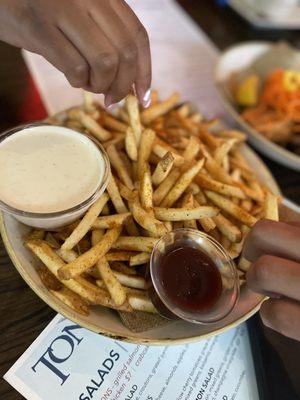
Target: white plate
x: 290, y: 20
x: 233, y: 60
x: 107, y: 322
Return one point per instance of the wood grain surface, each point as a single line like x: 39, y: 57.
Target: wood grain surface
x: 23, y: 314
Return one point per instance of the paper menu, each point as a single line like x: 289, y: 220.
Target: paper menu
x: 69, y: 362
x: 183, y: 59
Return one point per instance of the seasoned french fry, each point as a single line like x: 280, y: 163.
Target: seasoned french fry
x: 246, y: 205
x: 182, y: 214
x: 72, y: 300
x: 119, y: 255
x: 145, y: 190
x: 163, y: 168
x: 160, y: 148
x: 135, y: 243
x: 121, y: 267
x: 234, y: 134
x: 192, y: 149
x: 130, y: 144
x: 183, y: 110
x: 141, y: 302
x: 232, y: 209
x: 181, y: 184
x: 140, y: 258
x: 119, y: 166
x: 133, y: 281
x: 113, y: 286
x: 48, y: 279
x: 115, y: 289
x: 88, y: 259
x: 271, y: 207
x: 134, y: 116
x: 217, y: 172
x: 88, y: 102
x: 79, y: 285
x: 36, y: 234
x: 67, y: 255
x: 188, y: 202
x: 146, y: 219
x: 223, y: 150
x: 114, y: 194
x: 110, y: 221
x: 206, y: 182
x: 159, y: 109
x: 145, y: 147
x: 86, y: 223
x: 207, y: 223
x: 227, y: 228
x: 113, y: 124
x: 162, y: 190
x: 50, y: 239
x: 90, y: 124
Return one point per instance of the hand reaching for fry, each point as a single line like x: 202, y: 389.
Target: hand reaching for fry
x: 99, y: 45
x: 274, y: 250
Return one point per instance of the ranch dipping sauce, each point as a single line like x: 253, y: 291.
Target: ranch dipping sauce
x: 45, y: 169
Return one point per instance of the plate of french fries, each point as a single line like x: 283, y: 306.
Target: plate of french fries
x: 170, y: 168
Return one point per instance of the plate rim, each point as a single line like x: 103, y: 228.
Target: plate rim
x: 271, y: 146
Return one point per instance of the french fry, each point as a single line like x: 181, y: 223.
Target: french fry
x: 72, y: 300
x: 207, y: 223
x: 86, y: 223
x: 145, y: 190
x: 234, y: 134
x: 135, y: 243
x: 88, y: 102
x: 183, y: 110
x: 141, y: 302
x: 119, y: 255
x: 217, y: 172
x: 208, y: 183
x: 113, y: 286
x: 246, y: 205
x: 192, y: 149
x: 130, y: 144
x: 223, y: 150
x: 138, y: 259
x: 113, y: 124
x: 115, y: 289
x: 67, y: 255
x: 133, y: 281
x: 146, y: 219
x: 165, y: 186
x: 181, y: 184
x: 159, y: 109
x: 163, y: 168
x: 114, y: 194
x: 119, y: 166
x: 110, y: 221
x: 36, y: 234
x: 53, y: 262
x: 227, y: 228
x: 121, y: 267
x: 89, y: 258
x: 160, y: 148
x: 90, y: 124
x: 196, y: 118
x: 48, y: 279
x: 232, y: 209
x: 154, y: 96
x: 134, y: 116
x: 183, y: 214
x: 271, y: 207
x: 188, y: 202
x: 50, y: 239
x: 145, y: 147
x: 127, y: 163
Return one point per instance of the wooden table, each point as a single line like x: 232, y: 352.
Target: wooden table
x: 23, y: 314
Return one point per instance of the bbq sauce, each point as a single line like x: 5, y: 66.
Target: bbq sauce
x: 191, y: 279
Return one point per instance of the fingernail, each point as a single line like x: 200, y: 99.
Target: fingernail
x: 146, y: 100
x: 108, y: 101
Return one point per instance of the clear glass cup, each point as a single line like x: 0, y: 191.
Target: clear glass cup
x: 224, y: 263
x: 62, y: 218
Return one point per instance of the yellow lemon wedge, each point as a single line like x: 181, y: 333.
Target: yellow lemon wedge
x: 291, y: 80
x: 246, y: 93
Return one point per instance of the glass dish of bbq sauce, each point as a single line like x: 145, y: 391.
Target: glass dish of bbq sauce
x: 192, y: 277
